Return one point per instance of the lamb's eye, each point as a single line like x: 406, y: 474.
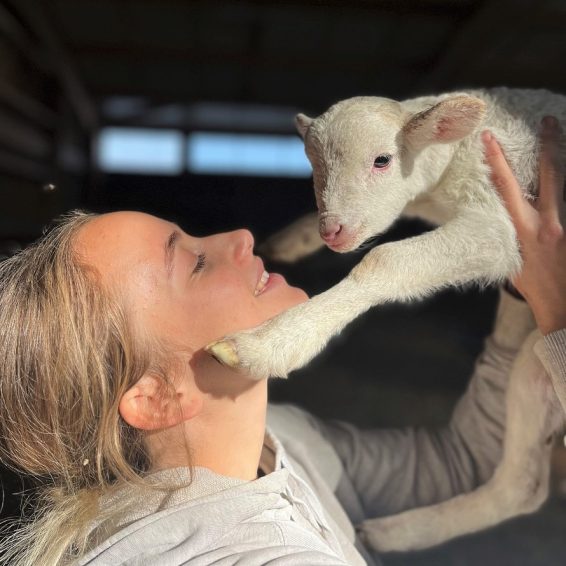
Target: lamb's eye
x: 382, y: 161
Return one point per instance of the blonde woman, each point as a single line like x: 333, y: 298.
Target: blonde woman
x: 152, y: 453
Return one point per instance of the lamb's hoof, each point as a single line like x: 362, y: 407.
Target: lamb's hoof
x: 224, y: 351
x: 231, y: 352
x: 249, y: 353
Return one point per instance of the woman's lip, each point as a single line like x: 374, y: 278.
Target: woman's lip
x: 260, y: 270
x: 274, y: 280
x: 262, y: 284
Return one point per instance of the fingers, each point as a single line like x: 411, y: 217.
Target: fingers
x: 551, y: 172
x: 504, y: 180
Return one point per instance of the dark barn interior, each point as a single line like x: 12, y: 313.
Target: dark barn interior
x: 72, y: 69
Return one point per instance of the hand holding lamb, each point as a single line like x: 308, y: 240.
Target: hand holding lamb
x: 542, y: 280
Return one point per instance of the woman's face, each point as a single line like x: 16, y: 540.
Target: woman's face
x: 184, y: 289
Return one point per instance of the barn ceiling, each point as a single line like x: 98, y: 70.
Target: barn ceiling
x: 308, y: 53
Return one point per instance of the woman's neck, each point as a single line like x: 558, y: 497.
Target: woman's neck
x: 226, y: 436
x: 229, y: 437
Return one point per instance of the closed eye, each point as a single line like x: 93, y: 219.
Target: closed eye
x: 201, y: 261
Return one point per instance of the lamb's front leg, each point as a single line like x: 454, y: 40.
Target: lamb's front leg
x: 398, y: 271
x: 291, y: 339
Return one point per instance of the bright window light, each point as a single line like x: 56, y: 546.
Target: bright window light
x: 246, y: 154
x: 138, y: 150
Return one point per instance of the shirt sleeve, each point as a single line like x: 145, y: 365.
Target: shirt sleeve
x: 394, y: 470
x: 551, y: 350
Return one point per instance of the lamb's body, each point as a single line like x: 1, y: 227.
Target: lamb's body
x: 434, y: 169
x: 514, y: 117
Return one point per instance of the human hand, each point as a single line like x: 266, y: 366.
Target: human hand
x: 542, y: 280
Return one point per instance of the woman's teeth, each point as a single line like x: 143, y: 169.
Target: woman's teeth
x: 261, y: 283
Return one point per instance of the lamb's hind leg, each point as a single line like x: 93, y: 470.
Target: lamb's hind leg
x: 299, y: 239
x: 518, y: 486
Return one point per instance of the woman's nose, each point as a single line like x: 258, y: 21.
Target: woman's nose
x: 243, y: 243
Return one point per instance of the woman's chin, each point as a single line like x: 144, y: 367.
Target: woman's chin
x: 302, y: 296
x: 293, y: 297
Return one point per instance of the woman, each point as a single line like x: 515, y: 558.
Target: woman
x: 155, y: 454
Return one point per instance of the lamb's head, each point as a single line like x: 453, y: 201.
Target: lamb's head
x: 369, y: 157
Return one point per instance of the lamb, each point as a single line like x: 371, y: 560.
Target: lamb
x: 374, y: 159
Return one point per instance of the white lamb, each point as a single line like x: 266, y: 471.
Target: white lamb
x: 374, y: 159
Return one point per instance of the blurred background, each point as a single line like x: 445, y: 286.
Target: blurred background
x: 184, y: 109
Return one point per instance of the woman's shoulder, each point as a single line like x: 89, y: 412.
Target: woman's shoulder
x: 212, y: 518
x: 302, y: 438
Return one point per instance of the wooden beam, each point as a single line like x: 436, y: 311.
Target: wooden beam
x: 25, y: 168
x: 157, y: 54
x: 37, y: 18
x: 27, y: 106
x: 401, y: 7
x: 24, y: 137
x: 12, y: 29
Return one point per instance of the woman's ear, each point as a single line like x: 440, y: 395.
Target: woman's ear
x: 153, y: 403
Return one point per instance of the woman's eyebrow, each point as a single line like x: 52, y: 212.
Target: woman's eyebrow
x: 170, y: 251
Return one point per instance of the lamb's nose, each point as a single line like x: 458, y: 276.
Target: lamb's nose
x: 329, y: 231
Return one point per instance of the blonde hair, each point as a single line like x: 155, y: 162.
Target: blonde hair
x: 67, y: 355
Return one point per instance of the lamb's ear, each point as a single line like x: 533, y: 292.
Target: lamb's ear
x: 448, y: 121
x: 303, y: 123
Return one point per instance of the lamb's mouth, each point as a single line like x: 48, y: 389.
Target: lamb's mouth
x: 352, y: 244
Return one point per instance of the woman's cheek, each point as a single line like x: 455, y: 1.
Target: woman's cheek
x: 229, y: 306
